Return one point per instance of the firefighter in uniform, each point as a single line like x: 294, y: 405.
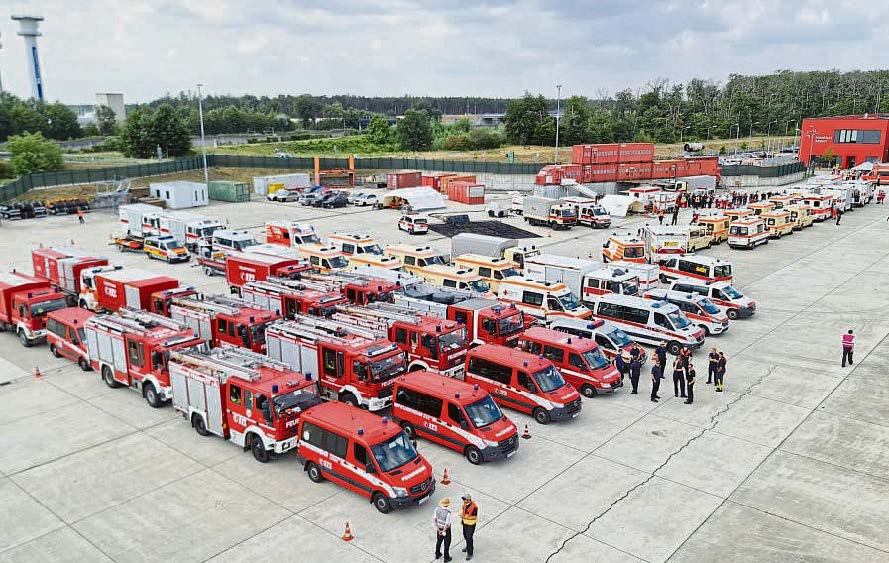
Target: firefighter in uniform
x: 441, y: 518
x: 469, y: 516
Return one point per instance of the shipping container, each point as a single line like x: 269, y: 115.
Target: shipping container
x: 434, y: 180
x: 446, y: 180
x: 635, y: 152
x: 596, y: 154
x: 262, y: 184
x: 596, y: 173
x: 226, y: 190
x: 471, y: 193
x: 404, y: 179
x: 634, y: 171
x: 550, y: 175
x: 180, y: 194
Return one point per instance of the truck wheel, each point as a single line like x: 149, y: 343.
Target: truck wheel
x: 349, y: 399
x: 732, y: 314
x: 381, y: 502
x: 108, y: 378
x: 474, y: 455
x: 84, y: 364
x: 540, y: 415
x: 705, y: 329
x: 208, y: 271
x: 24, y: 339
x: 197, y: 422
x: 260, y: 454
x: 54, y: 351
x: 314, y: 473
x: 409, y: 430
x: 588, y: 391
x: 674, y: 347
x: 151, y: 396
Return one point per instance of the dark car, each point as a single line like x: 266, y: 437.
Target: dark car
x: 335, y: 199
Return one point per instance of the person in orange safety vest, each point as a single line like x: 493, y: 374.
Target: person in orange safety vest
x: 469, y: 517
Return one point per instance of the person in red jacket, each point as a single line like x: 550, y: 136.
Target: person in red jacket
x: 848, y: 347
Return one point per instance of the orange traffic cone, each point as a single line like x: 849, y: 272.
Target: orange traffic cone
x: 526, y: 433
x: 347, y: 534
x: 37, y: 374
x: 445, y: 478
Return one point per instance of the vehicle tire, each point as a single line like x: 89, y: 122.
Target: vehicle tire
x: 24, y: 339
x: 710, y: 245
x: 54, y: 351
x: 474, y: 455
x: 732, y: 314
x: 540, y: 416
x: 381, y: 502
x: 409, y: 430
x: 108, y: 378
x: 260, y: 454
x: 349, y: 399
x: 208, y: 271
x: 490, y: 213
x: 663, y: 278
x: 84, y: 364
x: 674, y: 347
x: 705, y: 329
x: 588, y: 391
x: 314, y: 473
x: 151, y: 396
x: 197, y: 422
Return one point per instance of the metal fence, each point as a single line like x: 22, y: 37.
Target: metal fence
x: 374, y: 163
x: 763, y: 171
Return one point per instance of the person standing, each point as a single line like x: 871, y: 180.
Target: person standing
x: 660, y: 216
x: 657, y: 373
x: 441, y: 518
x: 839, y: 213
x: 661, y: 353
x: 848, y: 347
x: 690, y: 383
x: 469, y: 517
x: 635, y: 372
x: 678, y: 378
x: 80, y: 215
x: 713, y: 356
x: 675, y: 218
x: 685, y: 356
x: 720, y: 371
x: 622, y: 363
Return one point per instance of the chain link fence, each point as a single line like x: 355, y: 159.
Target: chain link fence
x: 763, y: 171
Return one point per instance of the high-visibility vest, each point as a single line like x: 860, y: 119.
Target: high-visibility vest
x: 441, y: 516
x: 469, y: 513
x: 848, y: 340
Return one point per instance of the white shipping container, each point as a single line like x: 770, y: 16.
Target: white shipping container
x: 296, y: 180
x: 180, y: 195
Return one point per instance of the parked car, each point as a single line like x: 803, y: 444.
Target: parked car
x: 355, y: 195
x: 366, y: 199
x: 309, y: 199
x: 335, y: 199
x: 284, y: 195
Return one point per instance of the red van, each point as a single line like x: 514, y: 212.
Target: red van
x: 66, y: 336
x: 522, y: 381
x: 455, y: 414
x: 579, y: 359
x: 364, y: 453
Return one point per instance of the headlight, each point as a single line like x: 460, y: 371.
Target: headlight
x: 491, y: 444
x: 399, y: 492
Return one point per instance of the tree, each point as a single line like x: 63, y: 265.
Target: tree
x: 61, y: 122
x: 414, y: 131
x: 575, y: 124
x: 306, y: 109
x: 34, y: 153
x: 524, y: 119
x: 106, y: 120
x: 168, y: 131
x: 136, y: 134
x: 378, y: 130
x: 90, y: 130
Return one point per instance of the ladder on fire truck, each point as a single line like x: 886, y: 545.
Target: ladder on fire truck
x: 338, y: 280
x: 139, y: 322
x: 278, y: 285
x: 225, y: 362
x: 317, y: 328
x: 213, y: 303
x: 375, y: 316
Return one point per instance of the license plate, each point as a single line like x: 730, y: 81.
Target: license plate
x: 575, y: 415
x: 422, y: 500
x: 510, y: 454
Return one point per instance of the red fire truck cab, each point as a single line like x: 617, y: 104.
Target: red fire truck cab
x: 364, y: 453
x: 112, y: 287
x: 523, y: 381
x: 131, y: 348
x: 358, y: 289
x: 241, y: 268
x: 62, y: 266
x: 24, y: 304
x: 241, y: 396
x: 487, y: 321
x: 222, y: 320
x: 579, y: 360
x: 292, y: 297
x: 455, y: 414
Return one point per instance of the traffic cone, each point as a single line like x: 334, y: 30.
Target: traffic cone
x: 526, y: 433
x: 347, y: 534
x: 445, y: 478
x: 37, y: 374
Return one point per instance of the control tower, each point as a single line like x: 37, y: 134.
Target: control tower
x: 29, y: 29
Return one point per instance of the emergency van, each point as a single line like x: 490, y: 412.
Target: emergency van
x: 611, y: 340
x: 696, y: 268
x: 352, y: 244
x: 522, y: 381
x: 188, y: 228
x: 491, y: 270
x: 761, y: 207
x: 374, y: 260
x: 778, y: 223
x: 165, y: 248
x: 324, y: 258
x: 698, y: 238
x: 228, y: 241
x: 647, y: 274
x: 415, y: 258
x: 452, y: 276
x: 610, y: 279
x: 649, y: 322
x: 588, y: 213
x: 542, y: 299
x: 699, y: 309
x: 414, y: 224
x: 290, y: 233
x: 66, y: 336
x: 821, y: 204
x: 716, y: 226
x: 627, y: 248
x: 738, y: 214
x: 365, y: 454
x: 748, y: 233
x: 665, y: 242
x: 578, y: 359
x: 782, y: 201
x: 735, y: 303
x: 454, y: 414
x: 800, y: 216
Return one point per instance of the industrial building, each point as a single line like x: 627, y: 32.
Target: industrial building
x: 853, y: 139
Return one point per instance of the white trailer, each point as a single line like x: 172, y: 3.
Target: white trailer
x: 180, y: 194
x: 140, y: 219
x: 484, y: 245
x: 564, y: 269
x: 189, y: 229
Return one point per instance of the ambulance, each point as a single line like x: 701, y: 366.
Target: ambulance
x: 588, y: 213
x: 610, y: 279
x: 697, y: 268
x: 699, y: 309
x: 491, y: 270
x: 761, y: 207
x: 738, y: 214
x: 375, y: 260
x: 800, y: 215
x: 290, y: 233
x: 782, y: 201
x: 414, y: 224
x: 716, y: 225
x: 698, y: 238
x: 415, y: 258
x: 324, y: 258
x: 665, y: 242
x: 649, y: 275
x: 649, y: 322
x: 778, y: 223
x: 821, y: 204
x: 542, y: 299
x: 748, y: 233
x: 628, y: 248
x: 735, y: 303
x: 353, y: 244
x: 165, y: 248
x: 455, y: 277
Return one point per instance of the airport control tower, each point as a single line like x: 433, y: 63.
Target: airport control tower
x: 29, y: 29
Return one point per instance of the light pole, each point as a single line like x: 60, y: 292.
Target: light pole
x: 751, y: 127
x: 558, y: 111
x: 681, y: 131
x: 737, y: 135
x: 769, y: 134
x: 203, y: 142
x: 711, y: 128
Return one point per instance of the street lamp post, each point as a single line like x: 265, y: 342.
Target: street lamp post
x: 558, y: 111
x: 769, y: 135
x: 737, y: 135
x: 751, y: 127
x: 203, y: 142
x: 711, y: 128
x: 681, y: 131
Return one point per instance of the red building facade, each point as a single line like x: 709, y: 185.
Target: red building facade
x: 853, y: 139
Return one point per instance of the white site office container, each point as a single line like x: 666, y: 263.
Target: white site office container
x: 181, y: 194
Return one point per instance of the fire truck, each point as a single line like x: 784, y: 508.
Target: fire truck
x: 111, y: 287
x: 247, y: 267
x: 62, y: 266
x: 353, y: 365
x: 289, y: 233
x: 432, y: 344
x: 358, y: 288
x: 222, y: 320
x: 241, y: 396
x: 24, y: 303
x: 131, y: 348
x: 293, y: 297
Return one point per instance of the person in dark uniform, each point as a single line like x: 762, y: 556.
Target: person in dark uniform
x: 675, y: 218
x: 713, y: 356
x: 657, y: 373
x: 678, y: 377
x: 661, y: 353
x: 622, y: 365
x: 635, y: 371
x: 690, y: 383
x: 720, y: 372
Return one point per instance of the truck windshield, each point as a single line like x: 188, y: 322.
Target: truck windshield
x: 373, y: 249
x: 44, y: 307
x: 257, y: 333
x: 309, y: 239
x: 338, y: 262
x: 619, y: 338
x: 736, y: 230
x: 394, y: 453
x: 387, y: 368
x: 549, y: 379
x: 455, y: 340
x: 569, y: 301
x: 173, y: 244
x: 708, y: 306
x: 630, y: 287
x: 207, y: 232
x: 732, y: 293
x: 295, y: 401
x: 599, y: 211
x: 483, y: 412
x: 510, y: 325
x: 595, y: 358
x: 634, y: 252
x: 567, y: 213
x: 480, y: 286
x: 506, y: 273
x: 242, y: 244
x: 723, y: 271
x: 678, y: 319
x: 434, y: 261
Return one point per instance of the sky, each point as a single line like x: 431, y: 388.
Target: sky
x: 147, y: 48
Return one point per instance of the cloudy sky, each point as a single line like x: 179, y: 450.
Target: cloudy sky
x: 146, y: 48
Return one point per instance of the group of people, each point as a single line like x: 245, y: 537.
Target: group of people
x: 684, y: 374
x: 442, y: 520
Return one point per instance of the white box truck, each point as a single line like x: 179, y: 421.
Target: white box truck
x: 548, y: 211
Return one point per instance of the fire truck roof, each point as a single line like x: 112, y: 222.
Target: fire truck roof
x: 577, y: 344
x: 71, y: 315
x: 503, y: 354
x: 352, y: 422
x: 455, y: 390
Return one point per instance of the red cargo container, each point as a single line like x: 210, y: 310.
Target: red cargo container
x: 572, y: 172
x: 549, y: 175
x: 599, y: 173
x: 634, y: 171
x: 446, y: 180
x: 128, y: 288
x: 62, y: 266
x: 470, y: 193
x: 596, y: 154
x: 434, y: 180
x: 241, y: 268
x: 404, y: 179
x: 635, y: 152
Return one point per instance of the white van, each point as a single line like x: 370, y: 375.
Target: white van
x: 748, y: 233
x: 649, y: 275
x: 699, y: 309
x: 697, y: 269
x: 609, y: 279
x: 735, y: 303
x: 611, y: 340
x: 649, y: 322
x: 542, y: 299
x: 355, y: 243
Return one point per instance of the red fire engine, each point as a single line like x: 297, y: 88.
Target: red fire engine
x: 223, y: 320
x: 352, y: 364
x: 241, y: 396
x: 62, y: 266
x: 241, y: 268
x: 131, y: 348
x: 431, y: 343
x: 292, y: 297
x: 24, y: 303
x: 357, y: 288
x: 111, y: 287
